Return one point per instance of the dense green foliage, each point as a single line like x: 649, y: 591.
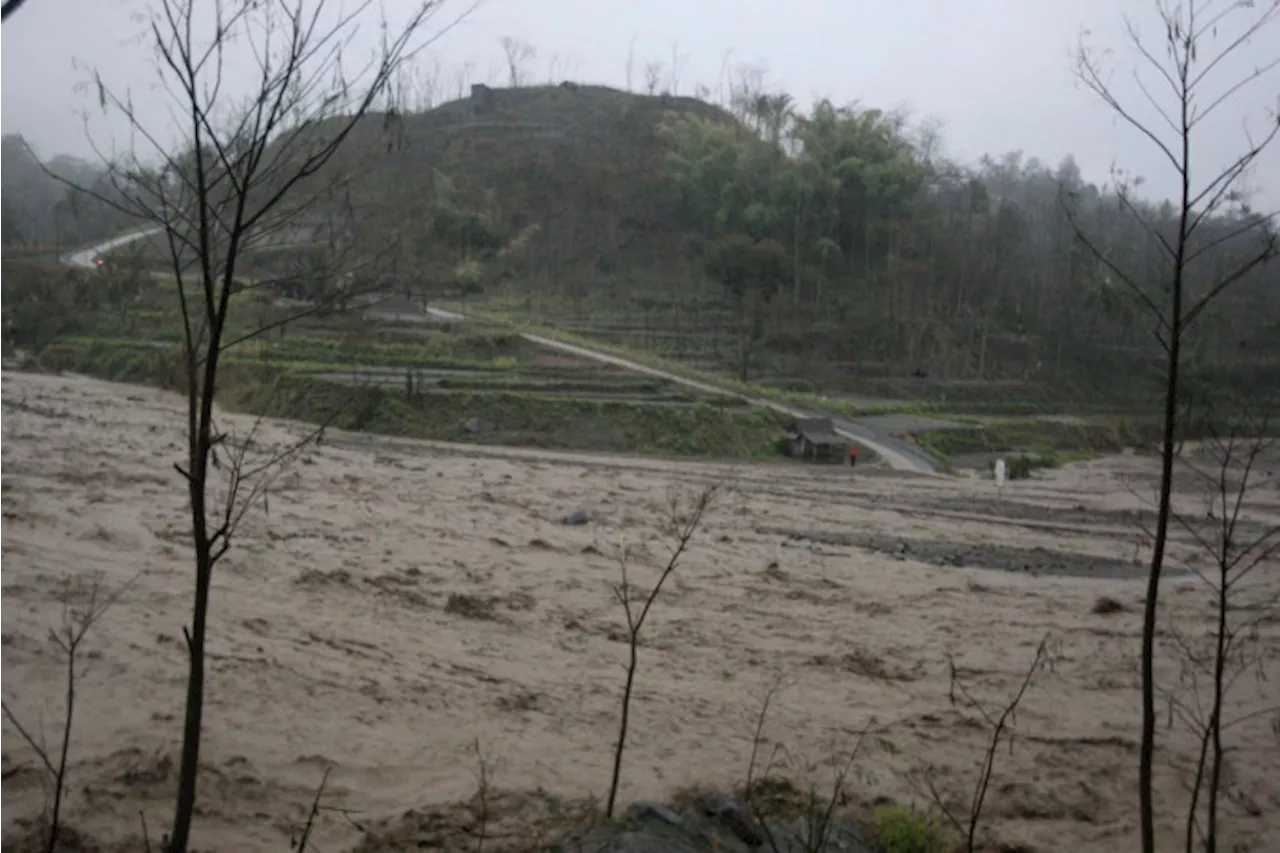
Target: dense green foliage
x: 826, y: 249
x: 834, y: 245
x: 562, y: 422
x: 904, y: 830
x: 896, y: 256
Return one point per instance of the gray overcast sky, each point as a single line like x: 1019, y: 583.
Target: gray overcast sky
x: 997, y: 73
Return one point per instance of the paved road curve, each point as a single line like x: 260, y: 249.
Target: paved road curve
x: 86, y: 257
x: 898, y: 455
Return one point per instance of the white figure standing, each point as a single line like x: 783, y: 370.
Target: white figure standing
x: 1000, y: 475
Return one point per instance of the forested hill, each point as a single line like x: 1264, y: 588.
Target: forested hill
x: 769, y: 241
x: 39, y: 211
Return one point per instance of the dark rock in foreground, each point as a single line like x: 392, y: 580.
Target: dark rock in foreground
x: 577, y: 517
x: 716, y: 821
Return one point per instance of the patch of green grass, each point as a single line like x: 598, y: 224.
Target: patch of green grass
x: 771, y: 392
x: 1046, y: 439
x: 497, y: 417
x: 118, y: 360
x: 900, y: 829
x: 481, y: 349
x: 519, y: 419
x: 760, y: 391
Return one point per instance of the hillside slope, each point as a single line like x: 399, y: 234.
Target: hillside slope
x: 822, y: 251
x: 583, y: 164
x: 38, y: 210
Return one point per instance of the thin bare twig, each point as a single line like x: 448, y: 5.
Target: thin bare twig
x: 83, y: 604
x: 314, y: 811
x: 9, y: 7
x: 776, y: 685
x: 482, y: 795
x: 683, y: 523
x: 999, y: 727
x: 1226, y: 653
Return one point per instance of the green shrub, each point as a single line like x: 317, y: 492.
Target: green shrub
x: 901, y: 829
x: 1020, y: 467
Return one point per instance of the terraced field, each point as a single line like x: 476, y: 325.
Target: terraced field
x: 446, y: 381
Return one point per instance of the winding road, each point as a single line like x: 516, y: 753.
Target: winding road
x: 897, y: 455
x: 85, y: 257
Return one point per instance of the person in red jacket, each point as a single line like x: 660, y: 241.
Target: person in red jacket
x: 853, y: 455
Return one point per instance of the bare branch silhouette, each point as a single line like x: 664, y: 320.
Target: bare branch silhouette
x: 84, y: 602
x: 9, y: 7
x: 250, y: 167
x: 1184, y: 62
x: 999, y: 728
x: 686, y: 517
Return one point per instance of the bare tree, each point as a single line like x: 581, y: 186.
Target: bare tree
x: 517, y: 53
x: 417, y: 87
x: 462, y: 77
x: 776, y: 686
x: 678, y: 60
x: 1236, y: 547
x: 745, y: 93
x: 724, y: 82
x: 685, y: 517
x: 631, y: 62
x: 817, y: 824
x: 652, y: 77
x: 999, y: 728
x: 1186, y: 90
x: 250, y: 165
x: 814, y: 822
x: 314, y: 812
x: 480, y: 802
x: 84, y: 602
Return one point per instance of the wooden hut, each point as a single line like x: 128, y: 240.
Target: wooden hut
x: 816, y: 439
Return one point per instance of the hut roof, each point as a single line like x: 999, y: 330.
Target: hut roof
x: 818, y: 431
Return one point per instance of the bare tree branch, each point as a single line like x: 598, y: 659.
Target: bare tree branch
x: 314, y: 811
x: 682, y: 524
x: 1185, y: 32
x: 83, y: 605
x: 249, y: 164
x: 9, y: 7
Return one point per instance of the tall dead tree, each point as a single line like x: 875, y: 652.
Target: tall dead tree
x: 1241, y: 547
x: 1188, y: 81
x: 247, y: 158
x: 517, y: 54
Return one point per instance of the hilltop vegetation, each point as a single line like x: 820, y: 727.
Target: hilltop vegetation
x: 835, y: 248
x: 832, y: 250
x: 39, y: 211
x: 514, y: 186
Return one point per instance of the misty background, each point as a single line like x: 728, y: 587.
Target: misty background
x: 997, y: 75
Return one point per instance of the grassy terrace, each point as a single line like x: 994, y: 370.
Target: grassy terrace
x: 483, y: 382
x: 472, y: 382
x: 995, y: 418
